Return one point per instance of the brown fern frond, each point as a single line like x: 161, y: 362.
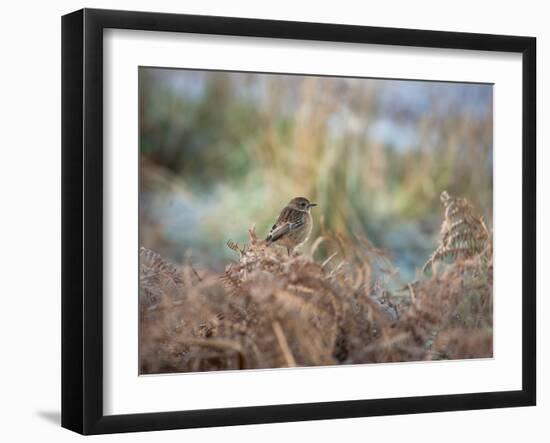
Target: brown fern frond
x: 152, y: 263
x: 231, y: 281
x: 157, y: 277
x: 269, y: 309
x: 463, y: 235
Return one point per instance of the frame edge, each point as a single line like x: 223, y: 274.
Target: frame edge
x: 72, y: 221
x: 529, y: 221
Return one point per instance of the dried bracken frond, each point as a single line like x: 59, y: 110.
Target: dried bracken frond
x: 269, y: 309
x: 463, y: 235
x: 156, y: 273
x: 152, y: 265
x: 235, y: 247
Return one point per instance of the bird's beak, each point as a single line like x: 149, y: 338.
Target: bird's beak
x: 311, y: 205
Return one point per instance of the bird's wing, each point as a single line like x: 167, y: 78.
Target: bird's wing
x: 289, y: 220
x: 278, y: 232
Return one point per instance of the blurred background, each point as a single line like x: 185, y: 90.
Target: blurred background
x: 222, y: 151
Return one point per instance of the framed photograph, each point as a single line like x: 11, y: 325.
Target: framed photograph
x: 269, y: 221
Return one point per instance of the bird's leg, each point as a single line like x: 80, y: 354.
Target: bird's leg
x: 289, y: 251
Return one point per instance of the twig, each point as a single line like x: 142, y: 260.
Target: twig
x: 316, y: 245
x: 283, y: 344
x: 329, y: 259
x: 195, y: 272
x: 411, y: 290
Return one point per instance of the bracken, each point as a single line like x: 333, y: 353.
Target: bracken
x: 272, y: 310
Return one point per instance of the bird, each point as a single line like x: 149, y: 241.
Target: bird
x: 293, y: 226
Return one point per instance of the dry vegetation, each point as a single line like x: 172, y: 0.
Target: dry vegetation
x: 270, y: 310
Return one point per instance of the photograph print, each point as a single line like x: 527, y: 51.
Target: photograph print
x: 293, y: 220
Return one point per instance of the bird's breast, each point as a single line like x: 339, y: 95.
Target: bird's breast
x: 303, y: 234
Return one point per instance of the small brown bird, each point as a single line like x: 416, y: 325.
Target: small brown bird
x: 293, y: 225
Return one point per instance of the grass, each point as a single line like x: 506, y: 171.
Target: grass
x: 271, y: 310
x: 239, y: 146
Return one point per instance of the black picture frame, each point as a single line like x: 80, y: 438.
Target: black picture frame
x: 82, y: 220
